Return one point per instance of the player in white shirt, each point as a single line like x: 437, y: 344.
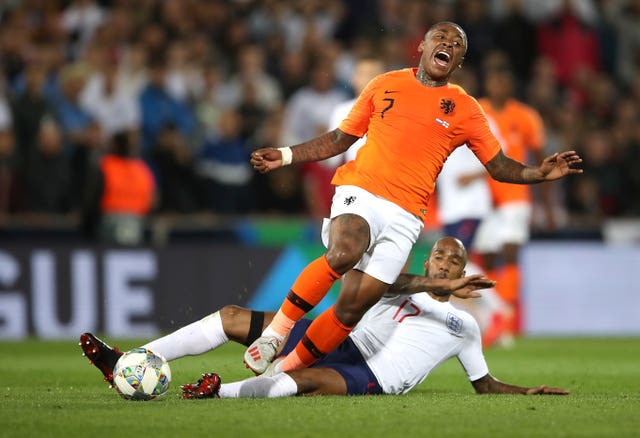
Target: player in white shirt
x: 398, y: 343
x: 464, y: 201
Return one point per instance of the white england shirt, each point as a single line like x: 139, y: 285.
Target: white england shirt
x: 455, y: 201
x: 405, y: 337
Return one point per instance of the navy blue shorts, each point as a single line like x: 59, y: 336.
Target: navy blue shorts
x: 464, y: 230
x: 346, y: 360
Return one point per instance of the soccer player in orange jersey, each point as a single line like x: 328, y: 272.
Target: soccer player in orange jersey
x: 413, y: 119
x: 520, y: 130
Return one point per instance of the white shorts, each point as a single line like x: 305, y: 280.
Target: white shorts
x: 508, y: 223
x: 393, y: 231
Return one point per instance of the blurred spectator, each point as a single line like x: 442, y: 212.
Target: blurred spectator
x: 48, y: 182
x: 74, y: 120
x: 626, y: 138
x: 391, y: 17
x: 308, y: 24
x: 80, y: 19
x: 624, y: 15
x: 132, y: 70
x: 84, y: 156
x: 119, y: 196
x: 599, y: 100
x: 15, y: 42
x: 251, y: 75
x: 181, y: 189
x: 476, y: 22
x: 542, y: 93
x: 159, y: 108
x: 208, y: 105
x: 49, y: 58
x: 251, y: 112
x: 307, y: 112
x: 277, y: 192
x: 153, y: 39
x: 183, y: 78
x: 293, y: 73
x: 515, y: 34
x: 29, y: 108
x: 224, y: 163
x: 600, y: 193
x: 178, y: 17
x: 392, y: 52
x: 9, y: 183
x: 569, y: 39
x: 112, y: 107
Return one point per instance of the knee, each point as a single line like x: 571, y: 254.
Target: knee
x: 230, y: 314
x: 342, y: 260
x: 345, y: 254
x: 348, y: 240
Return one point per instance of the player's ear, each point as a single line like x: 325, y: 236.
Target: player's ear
x: 421, y: 46
x: 461, y: 62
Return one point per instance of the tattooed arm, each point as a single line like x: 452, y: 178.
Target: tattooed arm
x: 327, y: 145
x: 464, y: 287
x: 505, y: 169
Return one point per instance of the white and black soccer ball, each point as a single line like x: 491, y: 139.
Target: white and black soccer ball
x: 141, y: 374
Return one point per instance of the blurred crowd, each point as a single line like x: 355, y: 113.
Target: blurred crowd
x: 188, y: 88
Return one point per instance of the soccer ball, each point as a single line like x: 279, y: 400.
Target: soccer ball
x: 141, y: 374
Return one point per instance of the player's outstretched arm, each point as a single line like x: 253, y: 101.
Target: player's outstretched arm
x: 556, y: 166
x: 464, y: 287
x: 490, y: 385
x: 325, y: 146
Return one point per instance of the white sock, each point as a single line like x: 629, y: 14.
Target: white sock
x: 280, y: 385
x: 196, y: 338
x: 272, y: 333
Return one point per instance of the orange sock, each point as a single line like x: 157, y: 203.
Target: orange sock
x: 509, y: 289
x: 309, y: 289
x: 324, y: 334
x: 509, y: 283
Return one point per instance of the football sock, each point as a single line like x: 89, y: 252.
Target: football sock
x: 195, y: 338
x: 309, y: 289
x: 280, y: 385
x: 509, y: 283
x: 509, y: 289
x: 324, y: 334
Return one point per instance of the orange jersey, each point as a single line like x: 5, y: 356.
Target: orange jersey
x: 411, y: 130
x: 520, y: 130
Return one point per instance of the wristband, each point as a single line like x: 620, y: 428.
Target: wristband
x: 287, y: 155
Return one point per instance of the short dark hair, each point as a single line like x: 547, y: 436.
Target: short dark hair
x: 457, y: 26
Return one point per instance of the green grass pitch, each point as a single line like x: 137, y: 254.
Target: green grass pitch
x: 48, y: 389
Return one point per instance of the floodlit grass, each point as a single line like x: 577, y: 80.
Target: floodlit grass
x: 48, y: 389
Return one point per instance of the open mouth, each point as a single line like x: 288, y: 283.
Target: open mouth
x: 442, y: 58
